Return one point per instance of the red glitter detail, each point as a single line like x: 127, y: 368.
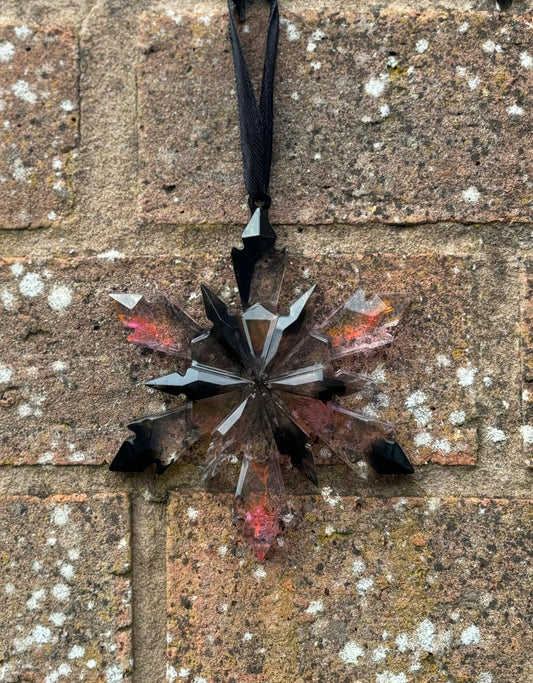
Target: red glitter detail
x: 146, y: 332
x: 260, y: 528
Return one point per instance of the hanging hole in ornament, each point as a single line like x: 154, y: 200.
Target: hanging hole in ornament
x: 263, y: 202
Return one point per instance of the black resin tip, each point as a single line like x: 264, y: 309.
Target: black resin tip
x: 387, y: 457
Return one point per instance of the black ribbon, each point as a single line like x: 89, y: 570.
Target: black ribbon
x: 255, y: 119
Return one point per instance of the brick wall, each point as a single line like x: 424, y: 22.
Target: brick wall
x: 402, y: 155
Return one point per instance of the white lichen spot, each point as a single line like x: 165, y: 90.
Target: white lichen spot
x: 41, y: 635
x: 315, y: 38
x: 76, y: 652
x: 515, y: 110
x: 471, y: 195
x: 295, y: 96
x: 484, y: 677
x: 466, y: 376
x: 8, y: 300
x: 61, y: 591
x: 421, y: 45
x: 375, y: 87
x: 22, y: 90
x: 315, y: 607
x: 24, y: 410
x: 51, y: 215
x: 31, y: 285
x: 423, y: 439
x: 490, y: 47
x: 442, y: 445
x: 59, y: 366
x: 36, y: 597
x: 17, y: 269
x: 114, y: 675
x: 292, y: 30
x: 329, y: 498
x: 259, y: 573
x: 329, y: 530
x: 415, y: 404
x: 495, y: 435
x: 176, y: 18
x: 67, y: 571
x: 112, y: 255
x: 316, y: 65
x: 378, y: 375
x: 380, y: 653
x: 183, y: 672
x: 392, y: 61
x: 247, y: 637
x: 473, y: 82
x: 358, y: 566
x: 91, y: 664
x: 487, y: 381
x: 424, y: 635
x: 9, y: 589
x: 351, y: 652
x: 57, y: 618
x: 457, y: 418
x: 73, y: 555
x: 384, y: 111
x: 433, y: 504
x: 37, y: 566
x: 23, y: 32
x: 205, y: 20
x: 527, y: 434
x: 192, y: 513
x: 5, y: 374
x: 60, y: 515
x: 526, y: 60
x: 62, y: 670
x: 364, y: 584
x: 471, y: 636
x: 389, y: 677
x: 60, y: 298
x: 222, y: 550
x: 200, y: 679
x: 463, y: 28
x: 7, y: 51
x: 402, y: 642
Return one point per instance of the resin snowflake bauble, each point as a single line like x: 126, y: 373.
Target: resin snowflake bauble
x: 261, y: 384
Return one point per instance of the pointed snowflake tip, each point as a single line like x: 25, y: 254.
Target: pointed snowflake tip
x: 127, y: 300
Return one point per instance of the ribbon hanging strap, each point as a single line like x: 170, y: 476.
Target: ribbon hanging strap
x: 255, y: 119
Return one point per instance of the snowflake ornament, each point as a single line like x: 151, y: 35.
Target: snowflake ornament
x: 262, y: 384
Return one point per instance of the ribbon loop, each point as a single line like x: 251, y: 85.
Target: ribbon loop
x: 255, y: 118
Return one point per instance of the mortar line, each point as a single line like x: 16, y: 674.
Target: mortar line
x: 149, y: 610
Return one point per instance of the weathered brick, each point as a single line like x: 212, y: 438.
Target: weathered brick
x: 70, y: 380
x: 38, y: 124
x: 421, y: 589
x: 527, y: 363
x: 400, y: 118
x: 65, y: 587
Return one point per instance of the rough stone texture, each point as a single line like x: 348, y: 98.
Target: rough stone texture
x: 66, y: 611
x: 527, y: 363
x: 38, y: 124
x: 63, y: 408
x: 401, y: 118
x: 362, y: 590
